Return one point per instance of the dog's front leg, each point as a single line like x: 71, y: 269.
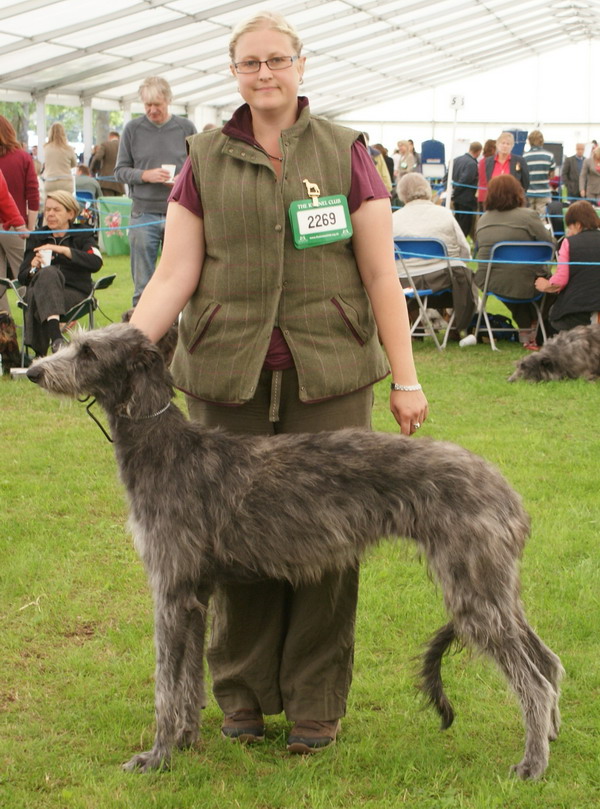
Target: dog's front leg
x: 191, y: 692
x: 171, y: 635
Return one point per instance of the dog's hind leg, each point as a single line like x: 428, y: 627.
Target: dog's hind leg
x: 175, y: 626
x: 549, y: 665
x: 535, y: 693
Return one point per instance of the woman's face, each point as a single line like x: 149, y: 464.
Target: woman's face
x: 504, y: 146
x: 268, y: 90
x: 57, y: 216
x: 574, y: 229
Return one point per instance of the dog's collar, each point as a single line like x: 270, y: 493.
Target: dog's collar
x: 139, y: 418
x: 151, y: 416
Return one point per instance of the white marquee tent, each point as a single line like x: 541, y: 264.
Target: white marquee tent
x: 391, y: 65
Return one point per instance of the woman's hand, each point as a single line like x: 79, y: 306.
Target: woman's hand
x: 55, y: 248
x: 410, y: 409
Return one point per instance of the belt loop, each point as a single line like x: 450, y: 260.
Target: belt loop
x: 275, y: 396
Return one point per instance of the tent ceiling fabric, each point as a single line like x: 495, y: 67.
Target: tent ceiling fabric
x: 359, y: 52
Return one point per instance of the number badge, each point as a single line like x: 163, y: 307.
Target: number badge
x: 322, y: 223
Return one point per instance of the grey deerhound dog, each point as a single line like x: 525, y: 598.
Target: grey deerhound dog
x: 569, y: 355
x: 202, y: 511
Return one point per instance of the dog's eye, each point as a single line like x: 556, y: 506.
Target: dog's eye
x: 86, y: 352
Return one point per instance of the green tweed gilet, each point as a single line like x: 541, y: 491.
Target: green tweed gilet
x: 253, y: 278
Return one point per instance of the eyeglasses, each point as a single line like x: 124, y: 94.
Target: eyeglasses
x: 274, y: 63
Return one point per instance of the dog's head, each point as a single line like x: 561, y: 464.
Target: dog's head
x: 166, y: 344
x: 535, y: 368
x: 118, y: 365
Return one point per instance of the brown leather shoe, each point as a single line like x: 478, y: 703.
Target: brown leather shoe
x: 246, y: 725
x: 312, y: 736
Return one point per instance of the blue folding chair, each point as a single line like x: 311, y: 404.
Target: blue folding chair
x: 88, y: 215
x: 516, y: 253
x: 421, y: 248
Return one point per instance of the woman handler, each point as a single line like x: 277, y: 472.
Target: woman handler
x: 285, y: 294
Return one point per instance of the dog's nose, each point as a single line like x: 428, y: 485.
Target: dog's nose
x: 34, y: 373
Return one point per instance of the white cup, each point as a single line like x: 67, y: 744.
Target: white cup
x: 469, y: 340
x: 170, y: 167
x: 46, y: 256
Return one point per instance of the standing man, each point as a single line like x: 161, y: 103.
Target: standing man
x: 571, y: 170
x: 150, y: 142
x: 464, y: 189
x: 541, y: 167
x: 103, y: 164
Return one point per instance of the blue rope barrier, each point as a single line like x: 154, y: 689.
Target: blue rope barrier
x: 95, y: 230
x: 407, y: 255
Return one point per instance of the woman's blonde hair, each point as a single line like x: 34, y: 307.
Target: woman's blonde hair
x: 270, y: 20
x: 57, y: 135
x: 65, y: 199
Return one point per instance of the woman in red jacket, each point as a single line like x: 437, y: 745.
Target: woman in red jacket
x: 19, y: 172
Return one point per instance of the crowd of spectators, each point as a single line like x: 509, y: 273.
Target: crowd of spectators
x: 470, y: 225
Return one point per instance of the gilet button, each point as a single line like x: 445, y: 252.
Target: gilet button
x: 278, y: 228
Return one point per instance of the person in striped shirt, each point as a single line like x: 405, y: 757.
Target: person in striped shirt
x: 541, y: 165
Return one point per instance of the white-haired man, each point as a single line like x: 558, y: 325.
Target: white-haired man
x: 148, y: 143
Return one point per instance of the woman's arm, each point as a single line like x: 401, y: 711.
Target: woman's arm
x: 583, y: 177
x: 373, y: 249
x: 177, y: 275
x: 561, y: 277
x: 464, y: 249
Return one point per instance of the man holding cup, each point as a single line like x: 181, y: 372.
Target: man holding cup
x: 151, y: 153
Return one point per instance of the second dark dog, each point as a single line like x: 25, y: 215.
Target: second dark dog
x: 570, y: 355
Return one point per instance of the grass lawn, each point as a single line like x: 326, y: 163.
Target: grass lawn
x: 76, y: 670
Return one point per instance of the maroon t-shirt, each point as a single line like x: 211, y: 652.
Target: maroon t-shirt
x: 365, y: 184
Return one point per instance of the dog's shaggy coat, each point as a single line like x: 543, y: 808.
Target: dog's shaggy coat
x: 569, y: 355
x: 209, y: 506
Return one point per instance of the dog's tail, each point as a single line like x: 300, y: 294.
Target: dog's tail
x: 430, y: 680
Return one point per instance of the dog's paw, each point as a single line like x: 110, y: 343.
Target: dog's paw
x: 529, y: 770
x: 144, y: 762
x: 186, y: 738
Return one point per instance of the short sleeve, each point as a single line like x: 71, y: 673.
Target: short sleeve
x: 366, y: 182
x: 185, y: 192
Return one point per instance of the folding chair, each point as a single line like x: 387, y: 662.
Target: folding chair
x: 406, y: 248
x: 88, y: 305
x: 84, y: 308
x: 516, y: 253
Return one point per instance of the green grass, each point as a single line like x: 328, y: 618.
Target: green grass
x: 76, y: 672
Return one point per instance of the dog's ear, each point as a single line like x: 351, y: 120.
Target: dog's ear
x: 86, y: 352
x: 149, y: 381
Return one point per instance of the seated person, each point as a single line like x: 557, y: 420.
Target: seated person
x: 577, y: 277
x: 507, y: 220
x: 55, y: 285
x: 85, y: 182
x: 421, y: 218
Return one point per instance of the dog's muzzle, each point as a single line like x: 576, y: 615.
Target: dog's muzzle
x: 35, y: 374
